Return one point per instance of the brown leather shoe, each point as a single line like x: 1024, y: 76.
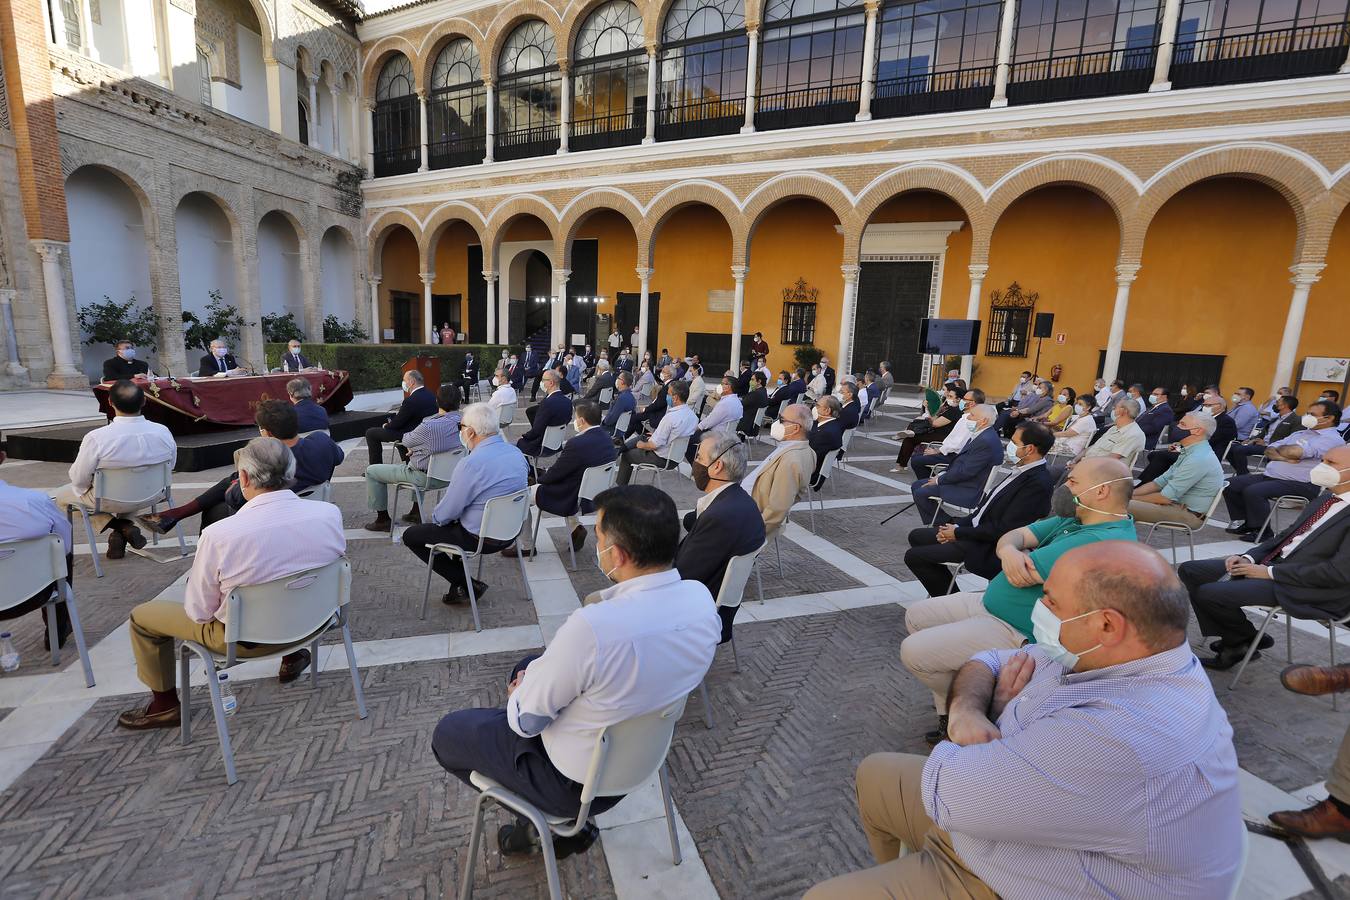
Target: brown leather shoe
x: 292, y: 666
x: 1323, y: 820
x: 379, y: 525
x: 117, y: 545
x: 1314, y: 681
x: 140, y: 720
x: 514, y: 551
x: 578, y: 538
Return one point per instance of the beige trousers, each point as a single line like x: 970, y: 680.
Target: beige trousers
x: 890, y: 805
x: 1338, y: 785
x: 66, y: 496
x: 944, y: 633
x: 1148, y: 513
x: 155, y: 624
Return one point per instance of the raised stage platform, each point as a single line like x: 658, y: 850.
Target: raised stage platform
x: 60, y: 443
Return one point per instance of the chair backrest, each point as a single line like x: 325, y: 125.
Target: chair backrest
x: 827, y: 465
x: 288, y: 609
x: 28, y: 566
x: 1132, y: 458
x: 506, y: 415
x: 991, y: 479
x: 1290, y: 501
x: 676, y: 449
x: 596, y: 479
x: 621, y: 424
x: 760, y: 416
x: 322, y: 492
x: 628, y: 753
x: 442, y: 465
x: 1214, y: 504
x: 136, y: 486
x: 606, y: 395
x: 737, y: 576
x: 504, y: 516
x: 847, y: 439
x: 554, y: 436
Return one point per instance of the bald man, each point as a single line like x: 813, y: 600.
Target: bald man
x: 1099, y: 749
x: 776, y: 483
x: 1091, y: 505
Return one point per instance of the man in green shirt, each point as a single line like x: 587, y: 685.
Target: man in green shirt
x: 944, y: 632
x: 1185, y: 492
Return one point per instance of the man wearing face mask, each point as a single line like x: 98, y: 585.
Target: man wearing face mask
x: 721, y: 419
x: 624, y: 402
x: 1285, y: 422
x: 1090, y: 506
x: 1123, y: 440
x: 124, y: 365
x: 554, y: 360
x: 815, y: 387
x: 1289, y: 467
x: 827, y: 433
x: 218, y: 361
x: 1157, y: 418
x: 754, y: 400
x: 921, y: 464
x: 1035, y: 401
x: 1244, y: 413
x: 503, y: 394
x: 785, y: 474
x: 1225, y: 430
x: 1305, y: 570
x: 293, y: 360
x: 963, y: 482
x: 678, y: 421
x: 418, y: 403
x: 1185, y: 491
x: 1072, y: 764
x: 515, y: 373
x: 656, y: 410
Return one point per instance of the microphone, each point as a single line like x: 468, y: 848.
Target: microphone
x: 251, y: 370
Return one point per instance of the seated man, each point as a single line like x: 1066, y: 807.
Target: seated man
x: 436, y: 434
x: 1224, y: 432
x: 651, y: 416
x: 503, y: 394
x: 1122, y: 440
x: 124, y: 365
x: 603, y: 381
x: 921, y: 464
x: 1157, y: 418
x: 623, y: 402
x: 850, y: 410
x: 1017, y: 501
x: 1283, y: 423
x: 468, y: 378
x: 1305, y: 569
x: 725, y: 521
x: 27, y: 514
x: 752, y: 402
x: 784, y: 475
x: 418, y: 403
x: 646, y: 643
x: 256, y: 545
x: 721, y: 419
x: 554, y: 410
x: 1034, y: 402
x: 1244, y: 412
x: 1185, y: 491
x: 492, y: 468
x: 1096, y: 762
x: 218, y: 361
x: 558, y: 485
x: 293, y: 360
x: 1089, y: 506
x: 315, y: 456
x: 1291, y: 462
x: 309, y: 415
x: 678, y: 422
x: 827, y: 433
x: 962, y: 484
x: 128, y: 440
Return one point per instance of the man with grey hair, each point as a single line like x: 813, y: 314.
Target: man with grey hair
x: 603, y: 380
x: 962, y: 484
x: 418, y: 403
x: 725, y: 521
x: 785, y: 473
x: 827, y: 432
x: 1123, y: 440
x: 218, y: 361
x: 309, y: 415
x: 254, y: 546
x: 1186, y: 490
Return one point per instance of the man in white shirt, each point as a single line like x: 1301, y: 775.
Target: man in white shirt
x: 678, y: 422
x: 504, y: 395
x: 27, y: 514
x: 128, y: 440
x: 960, y: 434
x: 254, y: 546
x: 1124, y: 439
x: 724, y: 416
x: 646, y: 644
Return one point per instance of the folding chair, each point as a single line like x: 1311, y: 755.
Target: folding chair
x: 505, y: 416
x: 955, y: 512
x: 673, y: 456
x: 606, y: 397
x: 756, y: 425
x: 323, y: 492
x: 1172, y: 527
x: 626, y: 754
x: 730, y: 594
x: 287, y: 614
x: 843, y: 449
x: 440, y: 468
x: 554, y: 436
x: 621, y: 423
x: 133, y: 489
x: 503, y: 520
x: 1286, y: 501
x: 593, y: 480
x: 826, y: 466
x: 1270, y: 612
x: 28, y: 566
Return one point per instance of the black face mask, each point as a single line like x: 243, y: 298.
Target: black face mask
x: 699, y: 472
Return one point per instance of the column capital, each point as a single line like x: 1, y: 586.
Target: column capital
x: 312, y: 78
x: 752, y: 27
x: 489, y: 277
x: 644, y: 273
x: 850, y: 273
x: 422, y: 95
x: 50, y: 251
x: 564, y: 274
x: 368, y: 103
x: 374, y: 279
x: 871, y: 7
x: 1126, y: 272
x: 977, y: 272
x: 738, y: 273
x: 428, y: 278
x: 564, y: 65
x: 653, y: 48
x: 1306, y: 273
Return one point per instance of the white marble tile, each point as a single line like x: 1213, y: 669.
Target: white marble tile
x: 641, y: 867
x: 36, y: 723
x: 549, y: 625
x: 641, y: 805
x: 14, y: 761
x: 857, y: 598
x: 391, y: 651
x: 554, y: 597
x: 495, y: 640
x: 791, y: 607
x: 1271, y: 871
x: 19, y: 689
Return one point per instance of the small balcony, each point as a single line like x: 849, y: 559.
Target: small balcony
x: 524, y: 143
x: 1102, y: 73
x: 933, y: 92
x: 1262, y: 56
x: 702, y: 118
x: 807, y: 106
x: 468, y: 150
x: 600, y: 132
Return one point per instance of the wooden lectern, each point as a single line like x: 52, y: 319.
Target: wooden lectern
x: 430, y: 367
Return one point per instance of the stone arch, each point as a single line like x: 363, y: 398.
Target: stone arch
x: 446, y: 31
x: 571, y: 23
x: 505, y: 213
x: 654, y: 15
x: 952, y: 182
x: 379, y: 54
x: 378, y: 232
x: 797, y: 186
x: 130, y: 181
x: 441, y: 218
x: 296, y: 220
x: 684, y: 194
x: 589, y: 202
x: 513, y: 15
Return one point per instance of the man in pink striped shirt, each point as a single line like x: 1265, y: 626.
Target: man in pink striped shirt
x: 273, y: 535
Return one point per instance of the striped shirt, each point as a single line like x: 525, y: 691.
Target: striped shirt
x: 435, y: 434
x: 1117, y: 782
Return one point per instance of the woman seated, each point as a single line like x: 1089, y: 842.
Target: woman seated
x: 927, y: 427
x: 1057, y: 416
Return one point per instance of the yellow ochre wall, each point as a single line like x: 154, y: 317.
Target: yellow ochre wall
x: 451, y: 260
x: 616, y: 249
x: 1324, y: 332
x: 399, y: 267
x: 926, y: 206
x: 692, y: 255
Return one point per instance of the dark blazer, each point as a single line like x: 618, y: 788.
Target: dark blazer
x: 962, y: 483
x: 624, y: 364
x: 564, y: 383
x: 296, y: 361
x: 117, y: 368
x: 752, y: 403
x: 1313, y: 582
x: 624, y: 401
x: 209, y: 366
x: 823, y: 439
x: 556, y: 409
x: 1154, y: 422
x: 657, y: 408
x: 310, y: 416
x: 743, y: 382
x: 1280, y: 429
x: 1024, y: 501
x: 731, y: 526
x: 851, y: 414
x: 516, y: 374
x: 560, y: 482
x: 414, y: 408
x: 600, y: 382
x: 470, y: 373
x: 829, y: 380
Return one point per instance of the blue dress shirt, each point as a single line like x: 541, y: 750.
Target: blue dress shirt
x: 493, y: 469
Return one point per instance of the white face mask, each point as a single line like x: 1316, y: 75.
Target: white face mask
x: 128, y: 352
x: 1324, y: 474
x: 973, y: 427
x: 1063, y: 398
x: 1184, y: 392
x: 295, y: 351
x: 1236, y: 399
x: 1010, y: 453
x: 222, y: 352
x: 815, y: 413
x: 1045, y: 627
x: 1309, y: 420
x: 1040, y: 391
x: 778, y: 431
x: 599, y: 554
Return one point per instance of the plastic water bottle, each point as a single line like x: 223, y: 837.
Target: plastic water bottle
x: 9, y: 657
x: 227, y: 698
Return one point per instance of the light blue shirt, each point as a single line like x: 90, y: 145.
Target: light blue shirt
x: 727, y: 410
x: 1245, y: 416
x: 493, y: 469
x: 25, y: 514
x: 1194, y: 479
x: 1316, y: 443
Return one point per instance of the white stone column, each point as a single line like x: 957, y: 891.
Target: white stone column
x: 558, y: 322
x: 644, y: 314
x: 751, y: 80
x: 738, y: 274
x: 13, y: 368
x: 490, y: 306
x: 977, y: 274
x: 869, y: 62
x: 565, y: 107
x: 370, y: 138
x: 422, y: 123
x: 652, y: 63
x: 87, y: 31
x: 313, y: 109
x: 491, y: 110
x: 374, y: 309
x: 354, y: 139
x: 335, y: 128
x: 1125, y: 274
x: 58, y: 24
x: 1167, y: 42
x: 276, y: 112
x: 64, y: 374
x: 1305, y: 276
x: 428, y: 279
x: 1005, y: 45
x: 843, y: 359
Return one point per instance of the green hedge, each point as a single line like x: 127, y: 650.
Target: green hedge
x: 379, y: 367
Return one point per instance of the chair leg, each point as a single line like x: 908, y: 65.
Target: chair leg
x: 1252, y: 649
x: 777, y: 548
x: 534, y: 537
x: 550, y: 859
x: 314, y: 664
x: 1289, y: 640
x: 735, y: 654
x: 185, y: 695
x: 473, y: 600
x: 529, y: 591
x: 77, y: 630
x: 759, y: 582
x: 182, y: 541
x: 475, y: 839
x: 1173, y: 533
x: 93, y: 542
x: 1332, y: 627
x: 664, y: 778
x: 222, y: 729
x: 154, y: 533
x: 351, y: 664
x: 1190, y: 539
x: 571, y: 552
x: 426, y: 594
x: 812, y: 503
x: 393, y: 516
x: 51, y: 633
x: 707, y: 707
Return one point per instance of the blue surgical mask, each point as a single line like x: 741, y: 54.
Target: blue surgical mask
x: 961, y: 404
x: 129, y: 353
x: 972, y: 427
x: 1045, y: 628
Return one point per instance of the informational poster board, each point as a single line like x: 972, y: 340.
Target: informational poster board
x: 1325, y: 368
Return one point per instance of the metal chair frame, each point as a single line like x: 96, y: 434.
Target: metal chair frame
x: 593, y: 480
x: 1172, y: 527
x: 1271, y: 612
x: 673, y: 456
x: 731, y: 593
x: 521, y: 497
x: 953, y: 511
x: 28, y: 566
x: 826, y: 466
x: 443, y: 466
x: 1284, y: 501
x: 164, y: 495
x: 554, y: 436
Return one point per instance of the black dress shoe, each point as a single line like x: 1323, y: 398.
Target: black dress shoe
x: 117, y: 545
x: 1227, y: 658
x: 132, y: 534
x: 1236, y: 528
x: 936, y: 737
x: 580, y: 842
x: 514, y: 838
x: 1266, y: 643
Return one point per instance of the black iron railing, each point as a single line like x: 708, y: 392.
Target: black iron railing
x: 523, y: 143
x: 701, y: 118
x: 1101, y: 73
x: 398, y: 138
x: 468, y: 150
x: 1260, y: 56
x: 933, y: 92
x: 823, y: 105
x: 617, y: 130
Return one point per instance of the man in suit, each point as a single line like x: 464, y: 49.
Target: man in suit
x: 1157, y: 418
x: 1305, y: 570
x: 558, y: 485
x: 469, y: 376
x: 1271, y: 430
x: 743, y: 379
x: 293, y: 360
x: 624, y: 402
x: 556, y: 409
x: 828, y: 373
x: 124, y: 366
x: 603, y: 380
x: 218, y: 361
x: 576, y: 367
x: 311, y: 416
x: 1015, y: 502
x: 1225, y: 430
x: 651, y: 416
x: 664, y: 359
x: 515, y: 371
x: 850, y: 411
x: 418, y: 403
x: 827, y: 433
x: 625, y: 362
x: 786, y: 473
x: 725, y: 521
x: 962, y: 484
x: 723, y: 418
x: 887, y: 380
x: 552, y: 362
x: 786, y: 391
x: 754, y: 400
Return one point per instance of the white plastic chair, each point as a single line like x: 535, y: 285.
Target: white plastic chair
x: 1271, y: 611
x: 730, y: 594
x: 505, y: 416
x: 626, y: 754
x: 29, y: 566
x: 1172, y: 527
x: 843, y: 449
x: 286, y: 615
x: 440, y: 468
x: 133, y: 489
x: 504, y: 519
x: 673, y: 456
x: 554, y: 436
x: 322, y: 492
x: 826, y: 466
x: 953, y: 511
x: 621, y: 423
x: 593, y: 480
x: 757, y: 426
x: 606, y: 397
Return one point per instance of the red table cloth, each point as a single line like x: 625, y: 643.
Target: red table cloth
x: 193, y: 405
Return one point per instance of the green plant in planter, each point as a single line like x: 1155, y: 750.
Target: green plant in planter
x: 222, y: 321
x: 337, y: 332
x: 280, y: 329
x: 806, y: 357
x: 108, y: 322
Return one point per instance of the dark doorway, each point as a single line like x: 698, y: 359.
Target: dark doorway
x: 404, y: 304
x: 477, y: 297
x: 892, y: 298
x: 582, y: 282
x: 535, y: 312
x: 445, y: 308
x: 1169, y: 370
x: 629, y: 308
